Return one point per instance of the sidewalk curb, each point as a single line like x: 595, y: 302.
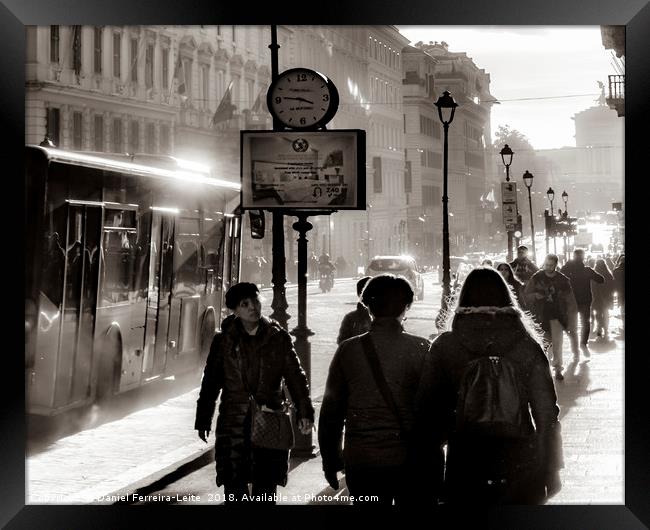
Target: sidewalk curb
x: 165, y: 475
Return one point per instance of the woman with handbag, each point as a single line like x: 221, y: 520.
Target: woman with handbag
x: 248, y: 360
x: 490, y: 399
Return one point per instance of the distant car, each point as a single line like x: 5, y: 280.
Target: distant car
x: 404, y: 266
x: 597, y: 248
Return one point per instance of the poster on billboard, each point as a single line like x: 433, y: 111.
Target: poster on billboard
x: 312, y: 170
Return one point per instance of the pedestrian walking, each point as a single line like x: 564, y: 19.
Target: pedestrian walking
x: 358, y: 321
x: 248, y: 360
x: 522, y: 266
x: 581, y: 278
x: 619, y: 277
x: 550, y: 299
x: 490, y: 398
x: 603, y: 299
x: 486, y: 263
x: 370, y: 393
x: 517, y: 286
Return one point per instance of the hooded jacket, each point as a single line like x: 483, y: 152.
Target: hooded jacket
x: 491, y: 331
x: 222, y: 374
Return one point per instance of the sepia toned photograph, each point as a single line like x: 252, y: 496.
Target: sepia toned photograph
x: 325, y: 265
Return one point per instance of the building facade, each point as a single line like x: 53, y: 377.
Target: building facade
x: 592, y: 172
x: 147, y: 89
x: 469, y: 142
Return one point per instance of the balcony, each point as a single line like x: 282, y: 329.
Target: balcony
x: 616, y: 99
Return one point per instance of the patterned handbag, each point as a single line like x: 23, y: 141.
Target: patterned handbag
x: 271, y: 429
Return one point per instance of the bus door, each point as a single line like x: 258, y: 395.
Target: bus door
x: 159, y: 294
x: 80, y: 284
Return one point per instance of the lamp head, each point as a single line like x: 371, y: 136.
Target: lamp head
x: 550, y: 194
x: 506, y: 155
x: 528, y: 179
x: 565, y: 197
x: 446, y: 101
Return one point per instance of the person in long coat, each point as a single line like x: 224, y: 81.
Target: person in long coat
x: 480, y: 467
x: 250, y: 355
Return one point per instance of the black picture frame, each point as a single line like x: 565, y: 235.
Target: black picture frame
x: 634, y: 14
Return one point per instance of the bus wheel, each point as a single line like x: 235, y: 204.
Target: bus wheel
x: 110, y: 355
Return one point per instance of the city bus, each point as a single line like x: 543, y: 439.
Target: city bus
x: 127, y: 259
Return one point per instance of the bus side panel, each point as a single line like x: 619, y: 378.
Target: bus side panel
x: 42, y: 376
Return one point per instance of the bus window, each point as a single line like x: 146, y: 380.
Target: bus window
x: 119, y: 255
x: 186, y: 256
x: 214, y: 230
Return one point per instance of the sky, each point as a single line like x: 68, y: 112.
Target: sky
x: 532, y: 62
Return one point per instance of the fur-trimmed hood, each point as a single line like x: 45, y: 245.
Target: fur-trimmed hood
x: 476, y: 327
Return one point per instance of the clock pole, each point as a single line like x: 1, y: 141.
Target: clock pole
x: 279, y: 271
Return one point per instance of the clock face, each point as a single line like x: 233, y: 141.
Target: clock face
x: 302, y: 99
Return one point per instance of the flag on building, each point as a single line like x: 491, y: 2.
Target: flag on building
x: 179, y: 74
x: 226, y: 109
x: 259, y: 106
x: 76, y: 49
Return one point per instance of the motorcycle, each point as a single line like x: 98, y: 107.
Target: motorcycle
x: 326, y: 282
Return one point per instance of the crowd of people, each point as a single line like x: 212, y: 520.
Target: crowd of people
x: 470, y: 417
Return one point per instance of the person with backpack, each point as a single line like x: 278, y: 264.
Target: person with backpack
x: 489, y: 396
x: 370, y: 392
x: 358, y: 321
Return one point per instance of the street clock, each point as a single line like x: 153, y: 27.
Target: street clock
x: 301, y: 98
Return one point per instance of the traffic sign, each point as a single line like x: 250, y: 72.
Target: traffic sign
x: 509, y: 192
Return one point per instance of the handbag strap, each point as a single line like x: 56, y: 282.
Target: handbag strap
x: 378, y: 374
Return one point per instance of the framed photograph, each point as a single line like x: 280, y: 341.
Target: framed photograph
x: 315, y: 170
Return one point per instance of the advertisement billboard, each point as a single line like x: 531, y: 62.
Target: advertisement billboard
x: 307, y: 170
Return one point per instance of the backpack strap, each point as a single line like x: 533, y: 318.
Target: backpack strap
x: 380, y: 379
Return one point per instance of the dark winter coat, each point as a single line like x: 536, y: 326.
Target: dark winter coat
x: 566, y: 302
x: 526, y: 462
x: 354, y: 323
x: 523, y: 268
x: 581, y: 277
x: 353, y: 399
x: 236, y: 462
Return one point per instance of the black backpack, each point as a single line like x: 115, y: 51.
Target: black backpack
x: 490, y: 399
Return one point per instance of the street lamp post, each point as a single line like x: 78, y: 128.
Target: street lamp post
x: 446, y: 102
x: 506, y: 156
x: 528, y: 181
x: 551, y: 195
x: 565, y: 198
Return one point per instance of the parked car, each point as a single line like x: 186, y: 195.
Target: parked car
x: 404, y: 266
